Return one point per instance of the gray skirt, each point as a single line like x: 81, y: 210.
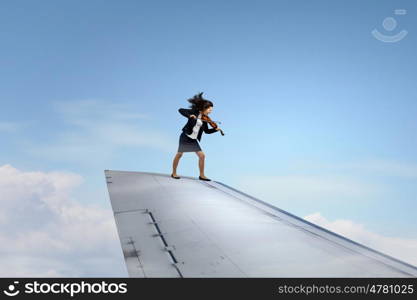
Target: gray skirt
x: 187, y: 144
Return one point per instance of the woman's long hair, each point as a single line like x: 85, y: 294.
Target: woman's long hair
x: 199, y: 103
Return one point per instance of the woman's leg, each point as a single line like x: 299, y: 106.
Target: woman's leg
x: 201, y: 157
x: 175, y: 163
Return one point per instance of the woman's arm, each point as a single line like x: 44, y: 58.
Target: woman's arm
x: 208, y: 130
x: 185, y: 112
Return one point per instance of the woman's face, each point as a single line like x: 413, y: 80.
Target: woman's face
x: 208, y: 110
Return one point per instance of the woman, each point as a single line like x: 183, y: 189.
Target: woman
x: 192, y: 132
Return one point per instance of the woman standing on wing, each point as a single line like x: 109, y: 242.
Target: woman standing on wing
x: 192, y: 132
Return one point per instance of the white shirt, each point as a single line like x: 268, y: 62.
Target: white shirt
x: 196, y: 128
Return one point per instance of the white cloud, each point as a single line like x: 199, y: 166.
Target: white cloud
x: 44, y: 232
x: 379, y: 167
x: 318, y: 181
x: 308, y: 187
x: 80, y: 111
x: 97, y: 129
x: 402, y: 248
x: 9, y: 126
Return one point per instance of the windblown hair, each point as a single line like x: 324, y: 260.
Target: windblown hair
x: 199, y: 103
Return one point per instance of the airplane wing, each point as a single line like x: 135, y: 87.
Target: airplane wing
x: 192, y: 228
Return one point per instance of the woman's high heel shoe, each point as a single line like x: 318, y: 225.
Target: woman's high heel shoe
x: 175, y: 177
x: 206, y: 179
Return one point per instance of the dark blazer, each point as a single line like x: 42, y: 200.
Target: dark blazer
x: 188, y: 128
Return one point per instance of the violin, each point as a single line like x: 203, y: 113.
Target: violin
x: 211, y: 122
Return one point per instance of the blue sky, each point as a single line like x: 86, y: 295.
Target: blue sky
x: 319, y: 116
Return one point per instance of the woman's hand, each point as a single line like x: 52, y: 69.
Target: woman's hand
x: 218, y: 128
x: 193, y: 116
